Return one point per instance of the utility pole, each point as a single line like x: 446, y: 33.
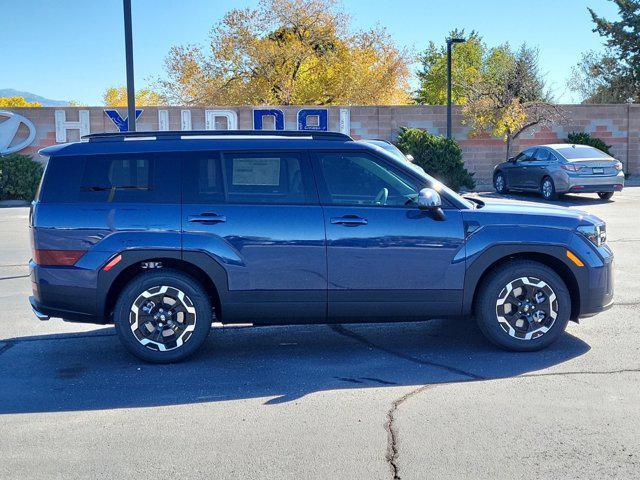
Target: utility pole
x: 128, y: 47
x: 450, y: 42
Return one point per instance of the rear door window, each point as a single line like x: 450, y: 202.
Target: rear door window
x: 268, y: 177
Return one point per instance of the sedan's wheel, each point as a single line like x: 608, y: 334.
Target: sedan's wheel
x: 500, y: 183
x: 163, y: 316
x: 605, y: 195
x: 548, y: 189
x: 523, y: 306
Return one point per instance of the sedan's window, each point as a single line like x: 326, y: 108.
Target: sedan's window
x: 356, y: 178
x: 526, y: 156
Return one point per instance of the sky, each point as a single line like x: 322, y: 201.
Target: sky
x: 74, y: 50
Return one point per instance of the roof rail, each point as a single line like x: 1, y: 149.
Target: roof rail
x: 204, y: 134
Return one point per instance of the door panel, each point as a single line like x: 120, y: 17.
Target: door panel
x: 239, y: 209
x: 538, y: 168
x: 385, y: 260
x: 520, y: 170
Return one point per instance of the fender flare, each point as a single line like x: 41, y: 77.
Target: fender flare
x: 202, y: 261
x: 481, y: 262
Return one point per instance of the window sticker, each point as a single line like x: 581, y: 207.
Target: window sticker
x: 256, y: 171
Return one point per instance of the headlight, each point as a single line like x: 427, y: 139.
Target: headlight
x: 597, y: 234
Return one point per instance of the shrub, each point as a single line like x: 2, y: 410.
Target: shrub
x: 583, y: 138
x: 19, y: 177
x: 440, y: 157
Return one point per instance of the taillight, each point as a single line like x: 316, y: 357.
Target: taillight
x: 617, y: 166
x: 57, y: 257
x: 572, y: 168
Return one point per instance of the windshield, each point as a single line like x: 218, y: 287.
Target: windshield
x: 389, y: 147
x: 578, y: 152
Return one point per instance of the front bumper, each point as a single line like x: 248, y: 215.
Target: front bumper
x: 597, y: 285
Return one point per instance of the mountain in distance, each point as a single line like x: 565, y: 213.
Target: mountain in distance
x: 31, y: 97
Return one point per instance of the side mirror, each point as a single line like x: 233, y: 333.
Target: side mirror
x: 429, y: 199
x: 409, y: 157
x: 512, y: 160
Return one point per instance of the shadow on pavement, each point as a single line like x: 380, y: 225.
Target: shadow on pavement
x: 92, y: 371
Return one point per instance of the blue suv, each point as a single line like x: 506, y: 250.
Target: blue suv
x: 163, y: 233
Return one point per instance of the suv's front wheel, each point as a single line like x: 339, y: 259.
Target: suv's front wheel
x: 163, y: 316
x: 523, y: 305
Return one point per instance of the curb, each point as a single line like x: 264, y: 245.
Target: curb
x: 14, y: 203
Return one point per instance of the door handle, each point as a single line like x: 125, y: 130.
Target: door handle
x: 207, y: 218
x: 349, y: 220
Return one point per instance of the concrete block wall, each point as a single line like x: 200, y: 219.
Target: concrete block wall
x: 617, y: 125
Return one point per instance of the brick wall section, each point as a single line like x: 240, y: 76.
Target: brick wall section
x: 618, y: 125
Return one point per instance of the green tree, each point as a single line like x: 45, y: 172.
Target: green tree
x: 612, y: 76
x: 472, y: 62
x: 439, y: 156
x: 467, y: 66
x: 288, y: 52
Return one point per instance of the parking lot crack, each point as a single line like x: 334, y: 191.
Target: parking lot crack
x: 16, y: 276
x: 583, y: 372
x: 392, y: 430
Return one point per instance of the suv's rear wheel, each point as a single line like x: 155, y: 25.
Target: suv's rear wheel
x: 163, y: 316
x: 523, y: 306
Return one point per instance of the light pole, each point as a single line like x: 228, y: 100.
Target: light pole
x: 128, y: 48
x: 450, y: 42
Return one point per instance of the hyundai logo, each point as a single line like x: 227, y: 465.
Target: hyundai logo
x: 12, y: 137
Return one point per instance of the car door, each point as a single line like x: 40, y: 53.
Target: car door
x: 257, y: 214
x: 517, y: 174
x: 386, y: 259
x: 537, y: 168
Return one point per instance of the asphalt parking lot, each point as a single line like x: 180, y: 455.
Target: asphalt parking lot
x: 422, y: 400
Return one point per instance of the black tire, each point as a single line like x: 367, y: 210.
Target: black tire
x: 548, y: 189
x: 500, y: 186
x: 605, y: 195
x: 196, y: 315
x: 492, y: 291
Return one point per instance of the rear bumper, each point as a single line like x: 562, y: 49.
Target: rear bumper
x: 63, y: 292
x: 36, y: 310
x: 590, y: 183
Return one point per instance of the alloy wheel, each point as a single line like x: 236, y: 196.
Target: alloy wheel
x: 526, y: 308
x: 547, y: 189
x: 162, y: 318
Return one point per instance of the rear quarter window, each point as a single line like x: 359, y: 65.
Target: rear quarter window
x: 112, y: 179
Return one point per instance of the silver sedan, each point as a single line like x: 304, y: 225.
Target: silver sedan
x: 560, y: 168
